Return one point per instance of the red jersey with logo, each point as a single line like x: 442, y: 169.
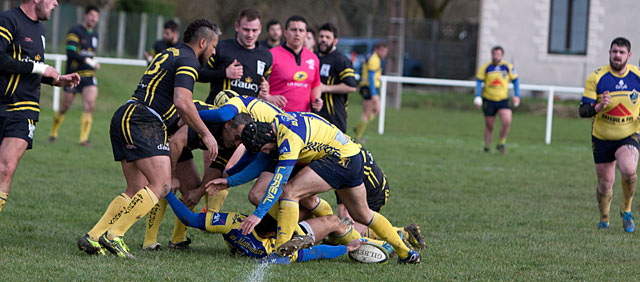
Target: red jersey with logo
x: 293, y: 76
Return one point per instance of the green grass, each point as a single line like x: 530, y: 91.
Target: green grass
x: 528, y: 215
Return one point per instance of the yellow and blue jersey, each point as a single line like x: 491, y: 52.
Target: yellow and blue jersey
x: 371, y: 63
x: 304, y: 137
x: 251, y: 245
x: 260, y: 110
x: 496, y: 79
x: 618, y: 119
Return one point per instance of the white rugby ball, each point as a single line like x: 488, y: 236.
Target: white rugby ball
x: 370, y: 253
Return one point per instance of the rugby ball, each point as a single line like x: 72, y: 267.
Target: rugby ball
x: 370, y: 253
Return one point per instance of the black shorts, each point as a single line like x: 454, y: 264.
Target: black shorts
x: 375, y: 182
x: 604, y: 151
x: 490, y: 108
x: 340, y: 172
x: 224, y: 154
x: 18, y: 128
x: 137, y: 133
x: 366, y: 93
x: 84, y: 82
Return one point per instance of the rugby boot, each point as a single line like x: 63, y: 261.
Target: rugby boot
x: 182, y: 246
x: 627, y: 222
x: 413, y: 258
x: 116, y: 246
x: 415, y: 237
x: 89, y: 246
x: 296, y: 243
x: 603, y: 225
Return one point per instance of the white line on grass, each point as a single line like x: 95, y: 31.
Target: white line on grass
x: 258, y: 273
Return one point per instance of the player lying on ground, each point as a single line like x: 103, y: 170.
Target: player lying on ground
x: 260, y: 241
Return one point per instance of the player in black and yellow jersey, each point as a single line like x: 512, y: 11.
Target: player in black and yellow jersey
x: 274, y: 34
x: 139, y: 134
x: 611, y: 96
x: 170, y: 38
x: 22, y: 39
x: 240, y: 64
x: 337, y: 76
x: 494, y: 96
x: 185, y: 173
x: 82, y: 41
x: 334, y: 163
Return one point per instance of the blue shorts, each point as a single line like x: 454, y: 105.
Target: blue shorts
x: 490, y: 108
x: 340, y: 172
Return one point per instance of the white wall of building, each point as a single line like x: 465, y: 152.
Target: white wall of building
x: 522, y: 28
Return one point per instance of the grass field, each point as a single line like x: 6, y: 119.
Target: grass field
x: 528, y: 215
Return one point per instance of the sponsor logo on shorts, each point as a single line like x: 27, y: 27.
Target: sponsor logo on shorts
x: 32, y: 128
x: 164, y: 147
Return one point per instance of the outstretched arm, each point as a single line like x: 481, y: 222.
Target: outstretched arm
x: 186, y: 216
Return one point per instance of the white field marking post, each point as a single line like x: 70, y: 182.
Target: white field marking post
x: 59, y: 58
x: 551, y: 90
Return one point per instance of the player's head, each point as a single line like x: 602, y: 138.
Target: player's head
x: 274, y: 30
x: 42, y: 8
x: 91, y: 16
x: 381, y: 49
x: 327, y: 37
x: 233, y: 130
x: 496, y: 54
x: 202, y: 36
x: 248, y: 27
x: 267, y: 227
x: 619, y: 53
x: 170, y: 32
x: 224, y: 96
x: 259, y: 137
x: 295, y: 31
x: 310, y: 39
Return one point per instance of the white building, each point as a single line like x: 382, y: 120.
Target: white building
x: 557, y: 42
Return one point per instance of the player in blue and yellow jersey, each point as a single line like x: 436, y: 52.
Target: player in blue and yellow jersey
x: 82, y: 41
x: 22, y: 39
x: 139, y: 136
x: 337, y: 76
x: 333, y: 162
x: 611, y: 96
x: 260, y: 242
x: 370, y: 86
x: 494, y: 96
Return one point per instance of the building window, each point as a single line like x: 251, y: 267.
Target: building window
x: 568, y: 27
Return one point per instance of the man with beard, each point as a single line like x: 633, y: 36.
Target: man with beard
x: 274, y: 34
x: 494, y: 96
x: 22, y: 37
x: 611, y: 97
x: 139, y: 135
x: 170, y: 34
x: 82, y: 41
x: 337, y: 76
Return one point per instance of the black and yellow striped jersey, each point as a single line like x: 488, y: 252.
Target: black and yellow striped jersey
x: 174, y: 67
x: 22, y: 39
x: 336, y: 68
x: 256, y: 64
x: 81, y: 44
x: 161, y: 45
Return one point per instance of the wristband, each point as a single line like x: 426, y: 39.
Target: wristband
x: 39, y: 68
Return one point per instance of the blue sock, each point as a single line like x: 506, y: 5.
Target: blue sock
x: 185, y: 215
x: 321, y: 252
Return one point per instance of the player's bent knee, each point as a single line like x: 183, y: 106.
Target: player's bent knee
x: 6, y: 170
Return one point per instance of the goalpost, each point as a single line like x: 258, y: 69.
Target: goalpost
x: 549, y: 89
